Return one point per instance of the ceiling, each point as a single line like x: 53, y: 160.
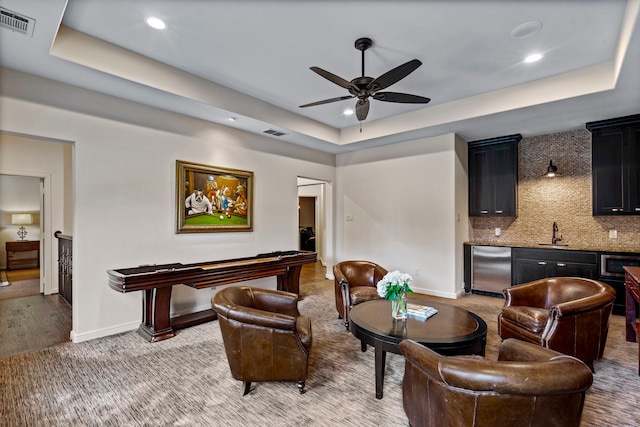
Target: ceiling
x: 250, y: 60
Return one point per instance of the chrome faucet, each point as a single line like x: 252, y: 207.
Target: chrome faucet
x: 555, y: 239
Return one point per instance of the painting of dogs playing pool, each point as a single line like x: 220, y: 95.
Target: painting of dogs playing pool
x: 212, y: 199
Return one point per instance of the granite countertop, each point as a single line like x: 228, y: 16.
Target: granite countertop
x: 576, y: 247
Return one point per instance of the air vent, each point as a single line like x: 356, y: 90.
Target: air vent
x: 15, y: 22
x: 274, y: 132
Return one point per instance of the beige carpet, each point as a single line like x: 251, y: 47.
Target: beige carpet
x: 185, y: 381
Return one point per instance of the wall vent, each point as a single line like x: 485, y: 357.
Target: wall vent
x: 274, y: 132
x: 16, y: 22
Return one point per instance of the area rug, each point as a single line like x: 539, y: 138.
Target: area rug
x: 123, y: 380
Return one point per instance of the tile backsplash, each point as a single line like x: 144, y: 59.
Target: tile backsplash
x: 565, y: 199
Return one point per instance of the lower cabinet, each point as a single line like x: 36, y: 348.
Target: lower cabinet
x: 529, y: 264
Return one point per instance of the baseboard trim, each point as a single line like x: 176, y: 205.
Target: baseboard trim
x: 449, y: 295
x: 100, y: 333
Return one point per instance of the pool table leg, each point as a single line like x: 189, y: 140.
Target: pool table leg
x: 156, y: 324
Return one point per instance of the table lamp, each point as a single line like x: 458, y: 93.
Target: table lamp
x: 22, y: 220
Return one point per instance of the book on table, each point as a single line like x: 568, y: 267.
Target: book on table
x: 420, y: 311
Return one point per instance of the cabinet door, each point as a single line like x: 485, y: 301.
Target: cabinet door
x: 633, y: 161
x: 493, y: 176
x: 504, y: 173
x: 479, y: 181
x: 575, y: 269
x: 528, y: 270
x: 608, y: 171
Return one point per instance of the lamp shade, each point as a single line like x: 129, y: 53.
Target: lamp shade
x: 21, y: 219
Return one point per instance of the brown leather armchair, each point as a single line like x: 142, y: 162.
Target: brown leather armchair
x: 567, y: 314
x: 265, y: 337
x: 355, y: 282
x: 527, y: 386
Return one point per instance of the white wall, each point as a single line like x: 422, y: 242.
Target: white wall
x: 124, y: 199
x: 404, y: 201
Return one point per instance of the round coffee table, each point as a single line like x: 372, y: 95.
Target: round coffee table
x: 452, y: 331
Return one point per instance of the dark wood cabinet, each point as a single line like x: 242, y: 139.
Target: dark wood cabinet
x: 529, y: 264
x: 493, y: 176
x: 615, y: 146
x: 22, y: 246
x: 65, y: 276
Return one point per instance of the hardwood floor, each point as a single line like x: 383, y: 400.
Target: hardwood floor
x: 23, y: 283
x: 29, y: 320
x: 312, y: 273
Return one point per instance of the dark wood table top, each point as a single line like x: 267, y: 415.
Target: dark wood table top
x: 634, y: 272
x: 451, y: 327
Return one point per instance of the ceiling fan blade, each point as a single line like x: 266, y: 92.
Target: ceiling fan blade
x: 394, y: 75
x: 362, y: 109
x: 326, y: 101
x: 333, y: 78
x: 400, y: 97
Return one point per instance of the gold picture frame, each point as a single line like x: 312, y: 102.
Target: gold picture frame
x: 212, y: 199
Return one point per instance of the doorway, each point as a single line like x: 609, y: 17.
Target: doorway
x: 42, y: 318
x: 20, y: 236
x: 315, y: 217
x: 307, y: 223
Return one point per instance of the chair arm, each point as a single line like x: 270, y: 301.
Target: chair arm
x: 339, y: 277
x: 423, y: 358
x: 342, y: 282
x: 531, y: 294
x: 263, y: 318
x: 303, y: 329
x: 590, y: 303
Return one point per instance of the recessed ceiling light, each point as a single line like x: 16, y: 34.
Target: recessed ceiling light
x: 348, y: 112
x: 156, y: 23
x: 533, y: 58
x: 526, y: 30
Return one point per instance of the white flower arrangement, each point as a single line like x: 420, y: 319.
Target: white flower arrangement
x: 393, y: 284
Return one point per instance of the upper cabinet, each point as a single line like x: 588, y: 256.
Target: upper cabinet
x: 615, y: 148
x: 493, y: 176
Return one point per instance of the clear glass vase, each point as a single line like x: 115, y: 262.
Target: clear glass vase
x: 399, y: 307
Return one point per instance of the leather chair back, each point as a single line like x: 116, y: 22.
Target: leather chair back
x: 527, y: 386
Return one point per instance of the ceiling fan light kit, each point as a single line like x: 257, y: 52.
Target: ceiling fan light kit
x: 365, y: 87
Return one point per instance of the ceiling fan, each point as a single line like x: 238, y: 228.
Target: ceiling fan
x: 365, y: 87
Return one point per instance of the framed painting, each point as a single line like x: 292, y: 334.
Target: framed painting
x: 212, y: 199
